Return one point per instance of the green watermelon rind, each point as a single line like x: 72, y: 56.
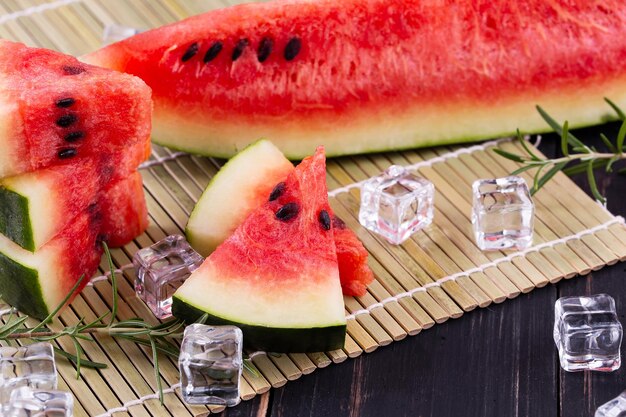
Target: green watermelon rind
x: 269, y: 339
x: 14, y: 218
x: 20, y: 284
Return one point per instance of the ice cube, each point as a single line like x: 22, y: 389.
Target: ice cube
x: 114, y: 33
x: 396, y: 204
x: 587, y: 333
x: 210, y: 364
x: 502, y: 213
x: 161, y: 269
x: 26, y: 366
x: 25, y: 402
x: 614, y: 408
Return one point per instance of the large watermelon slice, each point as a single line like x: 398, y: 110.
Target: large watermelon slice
x: 35, y: 206
x: 35, y: 283
x: 276, y: 277
x: 54, y: 109
x: 373, y: 75
x: 244, y: 184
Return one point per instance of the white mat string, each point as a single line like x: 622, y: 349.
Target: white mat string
x: 139, y: 401
x: 36, y: 9
x: 429, y: 162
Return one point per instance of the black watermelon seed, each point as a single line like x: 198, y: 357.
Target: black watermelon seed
x: 239, y: 47
x: 65, y: 102
x: 191, y: 51
x: 338, y: 223
x: 73, y: 69
x: 265, y: 49
x: 213, y: 51
x: 292, y: 49
x: 324, y: 219
x: 288, y: 211
x: 66, y: 120
x: 67, y: 153
x: 277, y: 191
x: 74, y: 136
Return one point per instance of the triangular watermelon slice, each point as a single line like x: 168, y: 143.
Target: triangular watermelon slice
x: 276, y: 277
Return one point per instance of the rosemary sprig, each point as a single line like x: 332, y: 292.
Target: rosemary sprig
x: 577, y: 157
x: 158, y: 337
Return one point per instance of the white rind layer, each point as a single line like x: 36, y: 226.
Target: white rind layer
x: 422, y: 124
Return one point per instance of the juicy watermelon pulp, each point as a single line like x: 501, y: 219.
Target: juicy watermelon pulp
x: 54, y: 109
x: 276, y: 277
x: 375, y: 75
x: 244, y: 184
x: 72, y: 137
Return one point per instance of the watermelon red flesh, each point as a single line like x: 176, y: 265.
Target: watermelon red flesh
x: 55, y: 109
x: 36, y: 206
x: 376, y: 75
x: 277, y: 279
x: 354, y: 273
x: 124, y: 211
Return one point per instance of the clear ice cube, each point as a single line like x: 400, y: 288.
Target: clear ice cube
x: 25, y: 402
x: 161, y: 269
x: 587, y: 333
x: 396, y: 204
x: 115, y: 33
x: 210, y: 364
x: 502, y: 213
x: 26, y: 366
x: 614, y: 408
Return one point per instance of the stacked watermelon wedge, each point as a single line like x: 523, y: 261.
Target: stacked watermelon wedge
x: 72, y: 136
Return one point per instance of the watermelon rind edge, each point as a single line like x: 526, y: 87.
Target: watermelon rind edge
x: 270, y: 339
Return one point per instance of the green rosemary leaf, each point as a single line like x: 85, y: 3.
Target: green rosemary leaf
x: 536, y: 180
x: 564, y: 134
x: 202, y: 319
x: 509, y: 155
x: 249, y: 365
x: 571, y: 139
x: 164, y: 346
x: 615, y: 107
x: 84, y: 363
x: 548, y: 176
x: 608, y: 143
x: 620, y: 137
x: 592, y: 183
x: 157, y: 373
x: 79, y: 353
x: 609, y: 165
x: 530, y: 153
x: 11, y: 326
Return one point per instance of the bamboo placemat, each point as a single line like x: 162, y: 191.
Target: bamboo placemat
x: 436, y: 275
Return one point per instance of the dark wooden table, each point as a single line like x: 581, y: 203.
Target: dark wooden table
x: 499, y: 361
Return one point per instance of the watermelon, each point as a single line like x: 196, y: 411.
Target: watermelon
x: 124, y: 211
x: 276, y: 277
x: 55, y: 109
x: 35, y: 206
x: 244, y: 184
x: 240, y: 186
x: 36, y: 282
x: 375, y: 75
